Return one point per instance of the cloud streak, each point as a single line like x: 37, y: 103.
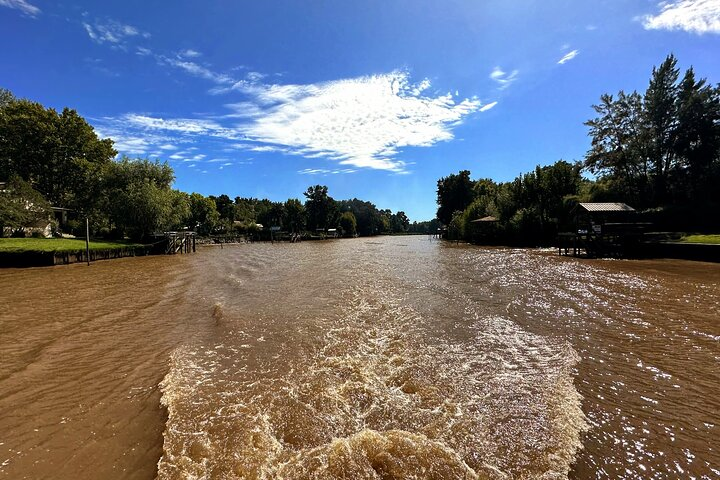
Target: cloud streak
x: 694, y: 16
x: 502, y: 78
x: 189, y: 53
x: 196, y: 70
x: 568, y: 56
x: 25, y: 7
x: 112, y: 32
x: 487, y: 107
x: 325, y: 171
x: 362, y: 122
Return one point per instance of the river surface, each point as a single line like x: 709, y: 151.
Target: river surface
x: 391, y: 357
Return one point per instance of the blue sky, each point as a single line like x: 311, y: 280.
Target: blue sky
x: 376, y: 99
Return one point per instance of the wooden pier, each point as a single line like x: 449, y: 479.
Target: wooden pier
x: 179, y: 242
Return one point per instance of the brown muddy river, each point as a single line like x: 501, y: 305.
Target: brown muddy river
x: 388, y: 357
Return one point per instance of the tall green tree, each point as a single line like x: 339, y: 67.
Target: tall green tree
x: 348, y: 224
x: 275, y: 214
x: 454, y: 193
x: 294, y: 215
x: 399, y: 222
x: 661, y: 149
x: 60, y: 155
x: 225, y: 207
x: 245, y: 210
x: 619, y: 147
x: 660, y: 112
x: 697, y: 142
x: 138, y: 198
x: 319, y: 207
x: 204, y: 216
x: 368, y: 217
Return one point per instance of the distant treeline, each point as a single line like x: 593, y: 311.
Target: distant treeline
x: 658, y: 151
x: 319, y: 211
x: 56, y: 159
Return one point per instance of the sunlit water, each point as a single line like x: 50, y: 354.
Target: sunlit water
x: 370, y: 358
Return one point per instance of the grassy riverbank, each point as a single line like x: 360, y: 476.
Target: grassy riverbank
x: 712, y: 239
x: 57, y: 245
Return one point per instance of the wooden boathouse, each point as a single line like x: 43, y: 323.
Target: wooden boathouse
x: 603, y: 230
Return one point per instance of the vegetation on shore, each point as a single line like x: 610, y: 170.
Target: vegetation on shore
x: 659, y: 152
x: 711, y: 239
x: 58, y: 245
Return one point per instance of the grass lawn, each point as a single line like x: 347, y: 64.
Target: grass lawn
x: 57, y: 245
x: 701, y: 239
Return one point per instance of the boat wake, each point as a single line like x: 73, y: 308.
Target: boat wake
x: 378, y: 396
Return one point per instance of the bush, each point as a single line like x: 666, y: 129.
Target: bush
x: 75, y: 227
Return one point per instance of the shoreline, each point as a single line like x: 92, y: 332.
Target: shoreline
x: 701, y: 252
x: 29, y: 259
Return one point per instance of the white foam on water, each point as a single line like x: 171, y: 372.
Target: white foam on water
x: 378, y: 397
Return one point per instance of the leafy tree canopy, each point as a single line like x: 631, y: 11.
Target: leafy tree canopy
x: 454, y: 193
x: 59, y: 154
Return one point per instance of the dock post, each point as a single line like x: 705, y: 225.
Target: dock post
x: 87, y: 240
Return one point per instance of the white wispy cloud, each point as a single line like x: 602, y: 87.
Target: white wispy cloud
x: 503, y: 79
x: 568, y: 56
x: 112, y: 32
x: 189, y: 53
x: 363, y: 122
x: 695, y: 16
x: 22, y: 5
x: 132, y: 145
x: 179, y: 129
x: 181, y: 125
x: 196, y: 70
x: 487, y: 107
x: 254, y: 76
x: 243, y: 110
x: 143, y: 52
x: 260, y: 148
x: 130, y: 140
x: 325, y: 171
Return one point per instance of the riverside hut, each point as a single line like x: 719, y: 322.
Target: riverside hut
x: 484, y: 230
x: 598, y: 216
x: 603, y: 229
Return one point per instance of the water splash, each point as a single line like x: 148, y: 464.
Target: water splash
x: 379, y: 397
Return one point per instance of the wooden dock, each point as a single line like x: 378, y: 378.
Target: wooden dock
x: 615, y: 240
x: 179, y: 242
